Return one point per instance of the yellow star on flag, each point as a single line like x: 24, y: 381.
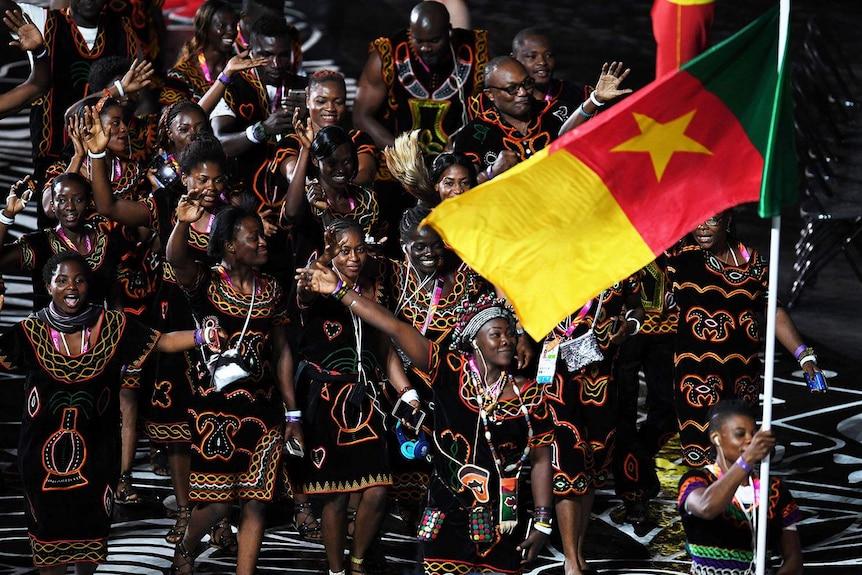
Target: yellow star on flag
x: 661, y: 141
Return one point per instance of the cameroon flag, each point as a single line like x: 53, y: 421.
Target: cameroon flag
x: 605, y: 199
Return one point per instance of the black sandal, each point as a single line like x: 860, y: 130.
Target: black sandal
x: 126, y: 492
x: 309, y: 527
x: 178, y: 531
x: 187, y: 567
x: 223, y: 538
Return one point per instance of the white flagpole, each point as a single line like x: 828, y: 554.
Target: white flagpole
x: 771, y: 308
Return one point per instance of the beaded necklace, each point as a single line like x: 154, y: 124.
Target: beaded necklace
x: 498, y: 462
x: 202, y: 62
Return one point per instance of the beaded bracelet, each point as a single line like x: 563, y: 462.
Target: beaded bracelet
x: 583, y: 112
x: 341, y: 292
x: 743, y: 464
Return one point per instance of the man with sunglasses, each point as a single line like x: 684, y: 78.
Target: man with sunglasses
x: 516, y: 125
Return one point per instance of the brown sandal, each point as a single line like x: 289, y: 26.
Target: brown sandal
x: 223, y: 538
x: 178, y: 531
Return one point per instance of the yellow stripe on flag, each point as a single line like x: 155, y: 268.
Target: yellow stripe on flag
x: 513, y: 232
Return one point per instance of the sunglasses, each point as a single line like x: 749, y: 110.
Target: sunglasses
x: 513, y: 89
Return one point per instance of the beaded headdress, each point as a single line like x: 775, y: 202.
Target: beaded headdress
x: 473, y: 315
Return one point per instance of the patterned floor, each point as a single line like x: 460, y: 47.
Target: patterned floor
x: 820, y: 436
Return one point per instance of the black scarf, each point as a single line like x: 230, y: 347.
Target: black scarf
x: 69, y: 323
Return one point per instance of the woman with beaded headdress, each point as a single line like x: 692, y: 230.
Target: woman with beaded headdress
x: 487, y: 423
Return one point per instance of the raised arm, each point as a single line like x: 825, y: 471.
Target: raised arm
x: 708, y: 502
x: 10, y: 254
x: 323, y: 280
x: 126, y: 212
x: 370, y: 97
x: 185, y: 266
x: 137, y: 77
x: 294, y: 199
x: 607, y: 89
x: 39, y: 81
x: 237, y: 63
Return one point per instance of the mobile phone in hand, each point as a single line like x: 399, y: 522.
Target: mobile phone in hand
x: 404, y: 411
x: 293, y: 447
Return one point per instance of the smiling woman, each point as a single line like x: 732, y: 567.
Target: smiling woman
x: 205, y: 56
x: 720, y: 286
x: 74, y: 353
x: 76, y: 231
x: 322, y: 190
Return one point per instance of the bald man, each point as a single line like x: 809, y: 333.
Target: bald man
x: 517, y: 125
x: 421, y: 79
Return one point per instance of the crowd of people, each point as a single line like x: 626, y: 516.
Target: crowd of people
x: 226, y: 254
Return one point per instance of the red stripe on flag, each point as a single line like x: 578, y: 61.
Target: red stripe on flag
x: 693, y: 185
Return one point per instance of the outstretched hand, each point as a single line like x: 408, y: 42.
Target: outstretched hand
x: 138, y: 77
x: 92, y: 133
x: 18, y: 198
x: 29, y: 37
x: 189, y: 208
x: 317, y: 278
x: 304, y: 130
x: 74, y: 129
x: 241, y: 62
x: 608, y: 84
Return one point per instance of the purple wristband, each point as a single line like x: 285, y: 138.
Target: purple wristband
x: 743, y: 465
x: 338, y: 286
x: 199, y: 340
x: 224, y: 78
x: 799, y: 350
